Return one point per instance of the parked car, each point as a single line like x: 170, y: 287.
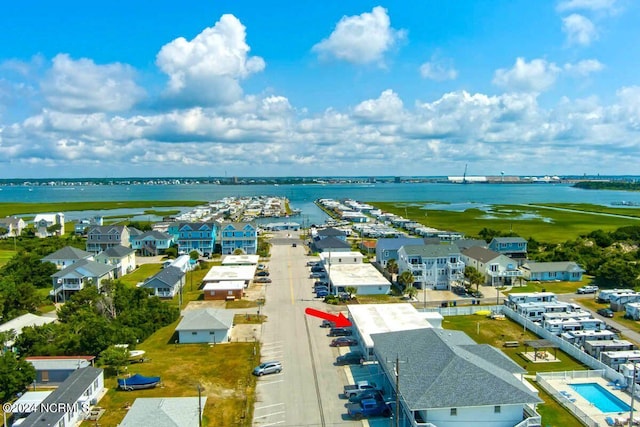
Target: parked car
x: 317, y: 268
x: 367, y: 394
x: 354, y: 389
x: 605, y: 312
x: 343, y: 342
x: 267, y: 368
x: 316, y: 275
x: 312, y: 263
x: 321, y: 283
x: 321, y: 293
x: 590, y: 289
x: 262, y: 273
x: 262, y: 280
x: 293, y: 245
x: 327, y: 324
x: 351, y: 358
x: 368, y: 408
x: 262, y: 267
x: 340, y: 332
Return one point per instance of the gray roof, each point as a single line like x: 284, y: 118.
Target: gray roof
x: 206, y: 319
x: 543, y: 267
x: 331, y: 232
x: 509, y: 240
x: 68, y: 252
x: 59, y: 363
x: 431, y: 251
x: 134, y: 232
x: 68, y: 393
x: 331, y: 242
x: 237, y: 225
x: 118, y: 251
x: 163, y: 412
x: 481, y: 254
x: 157, y: 235
x: 396, y: 243
x: 469, y: 243
x: 447, y: 369
x: 85, y: 268
x: 169, y: 276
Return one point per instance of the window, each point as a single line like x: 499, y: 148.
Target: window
x: 213, y: 333
x: 230, y: 293
x: 194, y: 333
x: 454, y: 412
x: 496, y: 409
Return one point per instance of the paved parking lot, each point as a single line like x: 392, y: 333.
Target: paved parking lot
x: 307, y: 391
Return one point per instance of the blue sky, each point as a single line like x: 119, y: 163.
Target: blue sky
x: 208, y: 88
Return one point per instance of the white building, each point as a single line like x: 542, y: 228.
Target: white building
x: 205, y: 325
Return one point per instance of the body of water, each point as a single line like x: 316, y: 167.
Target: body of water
x: 303, y: 196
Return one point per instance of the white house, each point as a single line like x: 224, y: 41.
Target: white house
x: 206, y: 325
x: 433, y: 266
x: 63, y: 258
x: 123, y: 259
x: 43, y: 222
x: 497, y: 269
x: 166, y: 283
x: 165, y: 412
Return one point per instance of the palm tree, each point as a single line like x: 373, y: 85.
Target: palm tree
x: 392, y: 266
x: 406, y: 279
x: 473, y: 276
x: 351, y: 290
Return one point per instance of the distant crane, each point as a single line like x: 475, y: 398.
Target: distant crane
x: 464, y: 176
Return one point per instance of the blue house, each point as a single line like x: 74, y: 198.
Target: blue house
x: 194, y: 236
x: 567, y: 271
x: 152, y: 243
x: 513, y: 247
x: 238, y: 235
x: 387, y: 249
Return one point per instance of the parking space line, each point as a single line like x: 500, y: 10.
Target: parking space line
x: 268, y: 406
x: 272, y: 424
x: 268, y: 415
x: 268, y: 382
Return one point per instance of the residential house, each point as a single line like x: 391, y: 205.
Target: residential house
x: 63, y: 258
x: 566, y: 271
x: 78, y: 275
x: 166, y: 283
x: 330, y: 232
x: 513, y: 247
x: 206, y: 325
x: 432, y: 266
x: 100, y: 238
x: 82, y: 226
x: 228, y: 290
x: 13, y: 225
x: 183, y: 262
x: 54, y: 370
x: 454, y: 390
x: 122, y: 258
x: 364, y: 277
x: 74, y: 397
x: 194, y: 236
x: 18, y: 324
x: 463, y: 244
x: 330, y: 244
x: 238, y: 235
x: 387, y: 248
x: 165, y: 412
x: 497, y: 269
x: 152, y: 243
x: 222, y: 273
x: 49, y: 224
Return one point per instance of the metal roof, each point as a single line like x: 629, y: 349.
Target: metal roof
x: 85, y: 268
x: 447, y: 369
x: 205, y: 319
x: 164, y: 412
x: 68, y: 252
x: 481, y: 254
x: 431, y: 251
x: 169, y: 276
x: 543, y: 267
x: 118, y: 251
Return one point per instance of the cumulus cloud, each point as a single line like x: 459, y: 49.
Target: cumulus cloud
x: 535, y: 76
x: 438, y: 69
x: 387, y: 107
x: 579, y: 30
x: 360, y: 39
x: 207, y: 70
x: 82, y: 85
x: 583, y: 68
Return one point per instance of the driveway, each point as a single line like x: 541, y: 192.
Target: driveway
x: 307, y: 391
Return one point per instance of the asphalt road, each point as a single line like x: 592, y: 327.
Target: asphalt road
x: 307, y: 392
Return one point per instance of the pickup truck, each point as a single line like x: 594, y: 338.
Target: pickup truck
x: 368, y: 408
x: 351, y: 390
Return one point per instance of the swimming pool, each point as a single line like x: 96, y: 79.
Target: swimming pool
x: 600, y: 397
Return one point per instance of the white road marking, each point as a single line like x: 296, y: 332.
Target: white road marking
x: 272, y: 424
x: 268, y: 406
x: 268, y: 382
x: 268, y: 415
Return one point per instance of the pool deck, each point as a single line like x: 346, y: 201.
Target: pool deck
x: 570, y: 396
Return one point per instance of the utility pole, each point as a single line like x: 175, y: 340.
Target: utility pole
x: 199, y: 405
x: 396, y: 371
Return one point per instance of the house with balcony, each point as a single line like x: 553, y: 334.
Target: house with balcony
x: 465, y: 384
x: 82, y: 226
x: 433, y: 266
x: 100, y: 238
x: 513, y: 247
x: 497, y: 269
x: 566, y: 271
x: 194, y: 236
x: 13, y: 225
x: 387, y: 248
x: 166, y: 283
x: 238, y: 235
x: 78, y: 275
x: 49, y: 225
x: 123, y: 259
x: 152, y: 243
x: 63, y: 258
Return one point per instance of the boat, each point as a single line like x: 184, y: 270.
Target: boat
x: 137, y: 382
x: 136, y: 355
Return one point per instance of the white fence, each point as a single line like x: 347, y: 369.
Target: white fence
x: 463, y: 310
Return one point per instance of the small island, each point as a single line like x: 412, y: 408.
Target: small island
x: 608, y: 185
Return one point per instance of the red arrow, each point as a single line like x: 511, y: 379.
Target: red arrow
x: 340, y: 321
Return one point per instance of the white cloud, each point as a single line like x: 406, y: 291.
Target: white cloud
x: 592, y: 5
x: 361, y: 39
x: 207, y: 69
x: 535, y: 76
x: 387, y: 107
x: 81, y: 85
x: 583, y: 68
x: 438, y: 69
x: 579, y: 30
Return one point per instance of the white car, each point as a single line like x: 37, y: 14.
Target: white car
x: 591, y: 289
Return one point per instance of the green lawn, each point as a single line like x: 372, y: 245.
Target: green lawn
x: 495, y: 332
x: 557, y: 287
x: 33, y: 208
x: 545, y: 225
x: 6, y: 255
x: 141, y: 273
x: 223, y: 371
